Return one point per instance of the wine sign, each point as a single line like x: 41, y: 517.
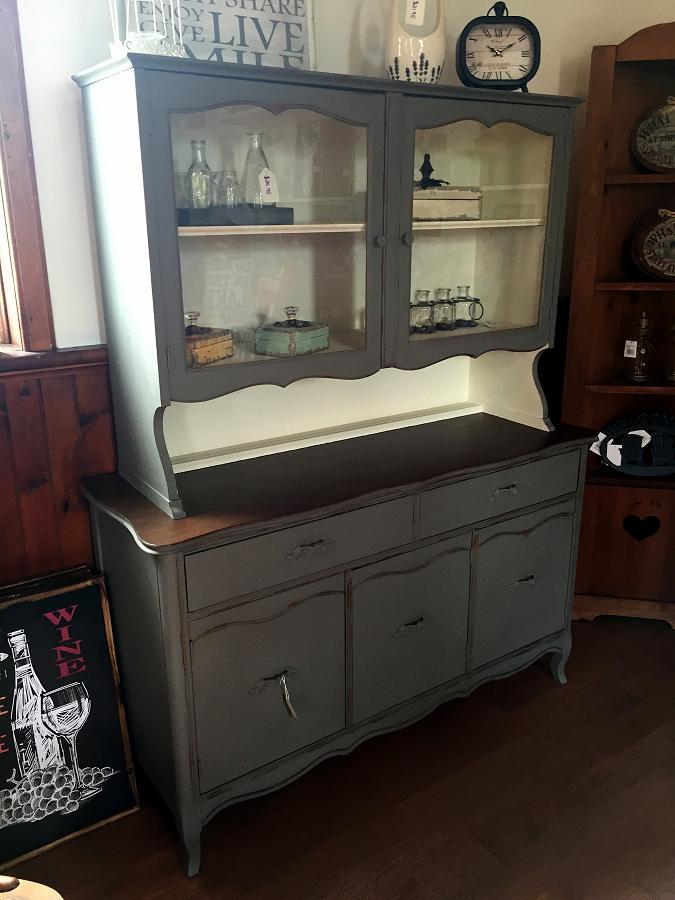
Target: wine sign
x: 64, y: 758
x: 253, y: 32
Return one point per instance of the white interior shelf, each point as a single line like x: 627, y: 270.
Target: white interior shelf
x: 243, y: 230
x: 349, y: 227
x: 466, y: 224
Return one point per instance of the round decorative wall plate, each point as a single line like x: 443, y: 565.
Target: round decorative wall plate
x: 653, y: 244
x: 653, y: 139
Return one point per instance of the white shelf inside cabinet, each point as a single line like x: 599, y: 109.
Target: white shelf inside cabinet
x: 243, y: 230
x: 466, y: 224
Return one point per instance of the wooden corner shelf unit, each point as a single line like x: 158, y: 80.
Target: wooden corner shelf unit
x: 618, y: 573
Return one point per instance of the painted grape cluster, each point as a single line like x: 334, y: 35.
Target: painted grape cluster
x: 51, y: 790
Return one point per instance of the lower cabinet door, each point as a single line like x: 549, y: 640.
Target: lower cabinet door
x: 409, y: 625
x: 268, y: 679
x: 522, y: 581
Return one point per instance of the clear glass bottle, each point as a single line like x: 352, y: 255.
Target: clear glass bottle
x: 199, y: 178
x: 229, y: 194
x: 37, y: 747
x: 256, y: 162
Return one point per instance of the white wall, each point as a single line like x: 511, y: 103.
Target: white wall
x: 350, y: 38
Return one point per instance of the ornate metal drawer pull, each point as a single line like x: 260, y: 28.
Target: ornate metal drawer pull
x: 523, y: 582
x: 286, y: 697
x: 320, y: 546
x: 511, y: 489
x: 407, y: 627
x: 282, y: 680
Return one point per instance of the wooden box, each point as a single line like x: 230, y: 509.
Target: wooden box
x: 281, y: 340
x: 204, y: 346
x: 447, y: 204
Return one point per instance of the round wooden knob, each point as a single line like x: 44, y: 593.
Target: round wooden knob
x: 8, y: 883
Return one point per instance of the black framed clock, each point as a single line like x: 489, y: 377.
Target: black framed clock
x: 498, y: 51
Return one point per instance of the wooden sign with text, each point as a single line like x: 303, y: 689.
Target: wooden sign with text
x: 253, y: 32
x: 64, y: 756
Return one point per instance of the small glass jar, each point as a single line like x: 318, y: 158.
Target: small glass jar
x: 468, y: 310
x: 444, y: 310
x: 228, y: 193
x: 421, y: 313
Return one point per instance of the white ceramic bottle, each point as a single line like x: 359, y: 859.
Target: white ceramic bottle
x: 416, y: 50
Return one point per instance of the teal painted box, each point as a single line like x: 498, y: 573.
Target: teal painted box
x: 294, y: 337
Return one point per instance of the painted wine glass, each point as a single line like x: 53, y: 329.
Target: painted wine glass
x: 64, y: 712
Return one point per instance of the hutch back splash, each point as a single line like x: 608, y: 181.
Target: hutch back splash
x: 276, y: 611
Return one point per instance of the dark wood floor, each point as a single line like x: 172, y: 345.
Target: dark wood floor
x: 523, y: 790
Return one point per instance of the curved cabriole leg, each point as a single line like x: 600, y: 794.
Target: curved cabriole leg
x: 559, y: 662
x: 193, y: 852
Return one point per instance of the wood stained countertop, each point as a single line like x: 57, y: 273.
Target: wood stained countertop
x: 239, y: 499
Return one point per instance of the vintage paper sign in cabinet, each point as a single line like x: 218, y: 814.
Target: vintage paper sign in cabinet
x: 286, y: 618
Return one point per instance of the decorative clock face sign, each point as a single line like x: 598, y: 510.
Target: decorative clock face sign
x: 499, y: 52
x: 653, y: 140
x: 653, y: 245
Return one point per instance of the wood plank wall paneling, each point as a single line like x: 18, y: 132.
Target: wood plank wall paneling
x: 55, y: 429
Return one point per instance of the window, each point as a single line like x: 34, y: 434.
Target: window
x: 25, y: 308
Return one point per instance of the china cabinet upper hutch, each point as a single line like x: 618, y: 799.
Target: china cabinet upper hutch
x: 346, y: 153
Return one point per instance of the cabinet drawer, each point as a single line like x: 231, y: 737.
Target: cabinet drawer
x: 522, y: 581
x: 238, y: 657
x: 226, y: 573
x: 409, y: 625
x: 466, y: 502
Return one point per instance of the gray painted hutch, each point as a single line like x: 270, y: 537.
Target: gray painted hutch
x: 275, y: 611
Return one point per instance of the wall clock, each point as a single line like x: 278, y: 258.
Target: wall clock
x: 653, y: 244
x: 499, y: 51
x: 653, y: 138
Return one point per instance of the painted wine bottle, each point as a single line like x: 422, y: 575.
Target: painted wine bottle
x: 36, y: 746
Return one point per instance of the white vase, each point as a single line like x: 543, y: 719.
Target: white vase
x: 416, y: 52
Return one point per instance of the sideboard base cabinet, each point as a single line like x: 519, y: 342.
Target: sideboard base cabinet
x: 286, y: 621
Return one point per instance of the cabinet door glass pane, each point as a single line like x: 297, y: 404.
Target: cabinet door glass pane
x: 270, y: 277
x: 479, y: 228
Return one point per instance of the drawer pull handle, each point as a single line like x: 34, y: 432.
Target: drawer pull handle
x: 320, y: 546
x: 281, y: 678
x: 524, y: 582
x: 511, y: 489
x: 286, y: 697
x: 417, y: 625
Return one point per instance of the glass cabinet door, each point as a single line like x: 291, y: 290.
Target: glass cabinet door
x: 277, y: 226
x: 479, y: 259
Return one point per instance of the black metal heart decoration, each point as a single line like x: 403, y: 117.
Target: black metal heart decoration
x: 641, y: 529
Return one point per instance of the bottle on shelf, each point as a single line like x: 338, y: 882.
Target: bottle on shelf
x: 640, y: 351
x: 199, y: 178
x: 37, y: 747
x: 256, y: 163
x: 670, y: 357
x: 229, y: 194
